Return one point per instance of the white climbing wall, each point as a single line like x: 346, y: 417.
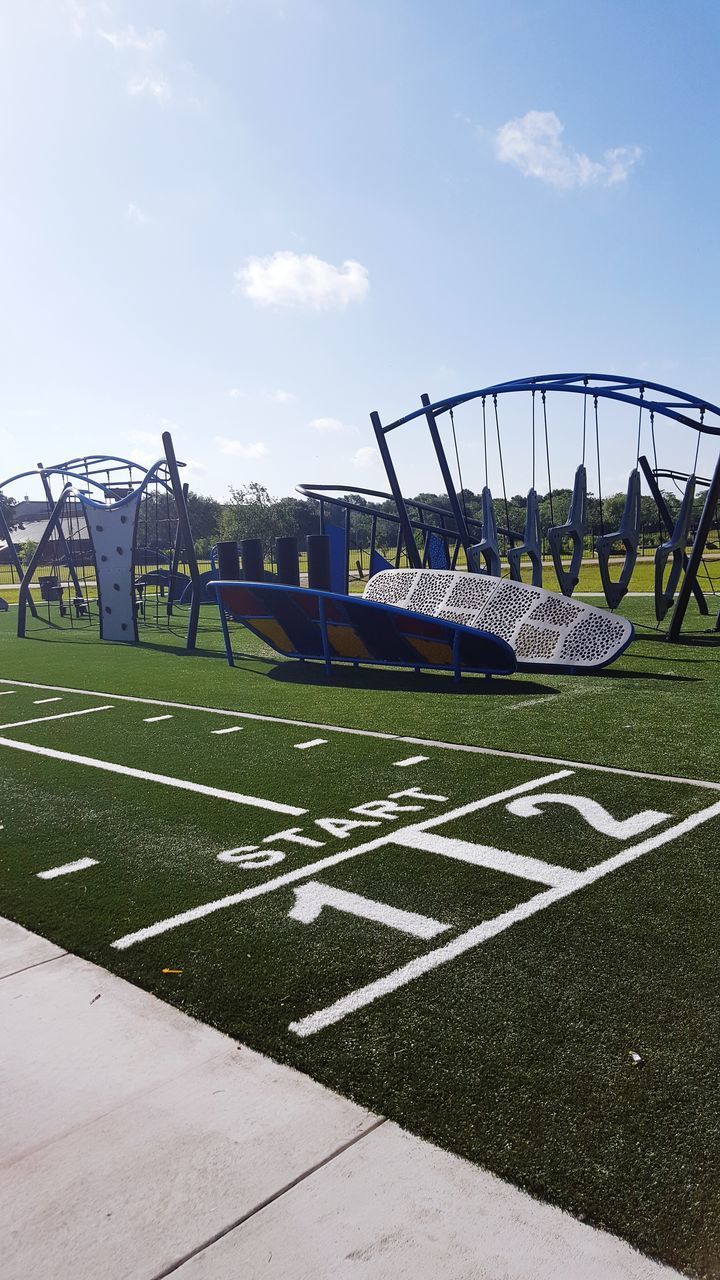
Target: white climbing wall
x: 112, y: 533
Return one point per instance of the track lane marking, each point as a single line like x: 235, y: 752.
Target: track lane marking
x: 183, y: 784
x: 474, y: 937
x: 374, y: 733
x: 61, y: 715
x: 311, y: 869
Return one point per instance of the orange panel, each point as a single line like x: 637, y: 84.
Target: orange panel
x: 346, y: 642
x: 272, y: 630
x: 432, y: 650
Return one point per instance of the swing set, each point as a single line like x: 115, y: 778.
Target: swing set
x: 676, y: 570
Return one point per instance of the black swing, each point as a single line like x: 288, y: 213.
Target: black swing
x: 673, y: 549
x: 628, y: 531
x: 487, y: 550
x: 530, y: 545
x: 574, y: 527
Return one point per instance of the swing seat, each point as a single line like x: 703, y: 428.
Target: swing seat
x: 574, y: 530
x: 673, y: 549
x: 629, y: 534
x: 530, y: 545
x: 487, y: 550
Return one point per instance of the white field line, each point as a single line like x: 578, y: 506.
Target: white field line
x: 395, y: 835
x: 6, y: 693
x: 61, y: 715
x: 486, y: 855
x: 156, y: 719
x: 405, y: 764
x: 67, y: 867
x: 234, y: 728
x: 38, y: 702
x: 375, y: 733
x: 108, y: 766
x: 314, y: 742
x: 489, y: 929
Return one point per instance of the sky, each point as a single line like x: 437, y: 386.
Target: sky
x: 254, y: 221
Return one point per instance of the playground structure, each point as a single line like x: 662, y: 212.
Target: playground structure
x: 102, y: 570
x: 432, y: 537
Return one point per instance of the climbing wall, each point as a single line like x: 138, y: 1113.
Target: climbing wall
x: 112, y: 533
x: 545, y: 629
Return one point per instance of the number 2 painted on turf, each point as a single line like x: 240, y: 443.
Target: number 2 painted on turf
x: 594, y: 814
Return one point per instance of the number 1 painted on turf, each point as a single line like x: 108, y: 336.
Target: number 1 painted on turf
x: 310, y: 898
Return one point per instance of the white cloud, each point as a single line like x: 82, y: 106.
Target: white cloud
x: 286, y: 279
x: 281, y: 397
x: 131, y: 39
x: 236, y: 394
x: 365, y: 458
x: 145, y: 437
x: 134, y: 213
x: 328, y: 424
x: 154, y: 85
x: 534, y: 143
x: 238, y: 449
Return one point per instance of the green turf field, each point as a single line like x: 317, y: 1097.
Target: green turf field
x: 465, y: 907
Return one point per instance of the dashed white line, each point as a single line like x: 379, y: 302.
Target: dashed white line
x: 234, y: 728
x: 404, y: 764
x: 314, y: 742
x: 38, y: 702
x: 6, y: 693
x: 66, y: 868
x: 155, y: 719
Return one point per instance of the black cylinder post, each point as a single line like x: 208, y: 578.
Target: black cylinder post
x: 318, y: 547
x: 228, y: 561
x: 288, y: 561
x: 253, y: 563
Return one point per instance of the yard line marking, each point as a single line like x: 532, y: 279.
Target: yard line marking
x: 474, y: 937
x: 332, y: 860
x: 38, y: 702
x: 66, y: 868
x: 375, y: 733
x: 485, y: 855
x: 234, y: 728
x: 61, y: 715
x: 183, y: 784
x: 314, y: 742
x: 403, y: 764
x: 6, y: 693
x: 155, y: 719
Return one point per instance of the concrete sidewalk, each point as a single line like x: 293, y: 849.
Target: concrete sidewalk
x: 136, y: 1143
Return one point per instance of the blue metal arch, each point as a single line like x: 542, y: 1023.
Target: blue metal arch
x: 607, y: 386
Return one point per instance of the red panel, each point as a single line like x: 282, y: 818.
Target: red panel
x: 242, y: 601
x: 424, y: 627
x: 308, y: 602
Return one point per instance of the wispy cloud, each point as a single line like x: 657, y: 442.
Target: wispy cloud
x: 153, y: 85
x: 281, y: 397
x: 300, y: 280
x: 134, y: 213
x: 366, y: 458
x: 328, y: 425
x: 131, y: 39
x: 535, y: 145
x: 239, y: 449
x: 236, y: 394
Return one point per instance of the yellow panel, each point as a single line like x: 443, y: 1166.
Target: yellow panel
x: 346, y: 642
x: 434, y: 651
x: 272, y: 630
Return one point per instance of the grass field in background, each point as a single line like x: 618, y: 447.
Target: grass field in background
x: 430, y: 977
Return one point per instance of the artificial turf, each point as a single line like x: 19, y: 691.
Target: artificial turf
x: 516, y: 1054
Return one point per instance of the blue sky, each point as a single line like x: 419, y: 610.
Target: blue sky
x: 257, y: 220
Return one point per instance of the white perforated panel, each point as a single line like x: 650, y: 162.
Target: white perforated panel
x: 544, y: 628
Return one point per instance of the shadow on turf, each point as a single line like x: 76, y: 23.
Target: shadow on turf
x: 400, y: 682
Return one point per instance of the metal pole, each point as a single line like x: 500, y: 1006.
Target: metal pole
x: 175, y: 562
x: 36, y: 559
x: 705, y: 524
x: 61, y: 535
x: 184, y: 523
x: 446, y: 475
x: 405, y: 525
x: 14, y: 557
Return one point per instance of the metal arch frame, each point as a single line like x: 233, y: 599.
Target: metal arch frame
x: 598, y: 386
